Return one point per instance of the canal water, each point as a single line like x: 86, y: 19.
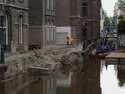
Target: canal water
x: 94, y: 78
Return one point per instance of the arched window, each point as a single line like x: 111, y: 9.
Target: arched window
x: 6, y: 23
x: 6, y: 28
x: 20, y: 30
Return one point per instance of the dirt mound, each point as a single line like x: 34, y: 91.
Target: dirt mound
x: 52, y: 58
x: 72, y: 58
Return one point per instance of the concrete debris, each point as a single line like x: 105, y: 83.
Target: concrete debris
x: 51, y: 58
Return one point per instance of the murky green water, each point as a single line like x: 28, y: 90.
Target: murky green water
x: 95, y: 78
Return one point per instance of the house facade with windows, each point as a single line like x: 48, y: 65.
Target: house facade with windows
x: 15, y: 24
x: 91, y: 21
x: 63, y: 26
x: 42, y: 23
x: 117, y: 13
x: 68, y: 21
x: 102, y: 21
x: 76, y: 20
x: 80, y: 19
x: 120, y: 33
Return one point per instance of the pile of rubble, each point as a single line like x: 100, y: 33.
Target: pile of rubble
x: 52, y: 58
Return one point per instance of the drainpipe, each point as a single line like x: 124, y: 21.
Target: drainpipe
x: 43, y: 24
x: 91, y: 19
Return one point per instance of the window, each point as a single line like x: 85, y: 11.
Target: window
x: 20, y: 0
x: 48, y: 4
x: 84, y: 9
x: 20, y: 30
x: 52, y: 31
x: 5, y: 30
x: 94, y: 0
x: 10, y: 0
x: 51, y: 4
x: 48, y: 30
x: 7, y: 33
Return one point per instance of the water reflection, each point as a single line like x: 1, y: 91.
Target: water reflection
x: 113, y: 79
x: 2, y: 77
x: 44, y: 85
x: 87, y: 82
x: 69, y: 80
x: 91, y: 78
x: 121, y: 75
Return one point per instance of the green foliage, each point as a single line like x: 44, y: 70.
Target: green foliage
x: 121, y: 5
x: 107, y: 21
x: 121, y: 22
x: 121, y: 17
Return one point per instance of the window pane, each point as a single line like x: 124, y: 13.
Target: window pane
x: 47, y: 4
x: 20, y: 31
x: 84, y: 9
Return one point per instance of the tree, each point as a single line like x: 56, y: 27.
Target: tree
x: 121, y: 22
x: 121, y: 5
x: 107, y: 22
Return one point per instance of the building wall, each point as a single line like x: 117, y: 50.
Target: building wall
x: 62, y: 21
x: 15, y: 28
x: 91, y: 19
x: 63, y: 12
x: 35, y: 13
x: 117, y: 13
x: 68, y: 13
x: 13, y: 10
x: 42, y: 23
x: 35, y: 35
x: 102, y: 28
x: 76, y: 20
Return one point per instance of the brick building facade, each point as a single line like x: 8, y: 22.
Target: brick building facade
x: 76, y: 20
x: 91, y: 20
x: 15, y: 24
x: 68, y: 15
x: 83, y: 18
x: 42, y: 22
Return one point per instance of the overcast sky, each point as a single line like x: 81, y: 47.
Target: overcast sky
x: 108, y: 6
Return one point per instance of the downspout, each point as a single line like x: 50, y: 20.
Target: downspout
x: 91, y: 19
x: 43, y: 24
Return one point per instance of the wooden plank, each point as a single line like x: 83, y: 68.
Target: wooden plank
x: 116, y: 55
x: 33, y: 71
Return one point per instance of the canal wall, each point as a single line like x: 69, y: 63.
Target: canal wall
x: 88, y: 50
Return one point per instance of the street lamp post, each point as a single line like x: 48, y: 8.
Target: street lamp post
x: 1, y: 34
